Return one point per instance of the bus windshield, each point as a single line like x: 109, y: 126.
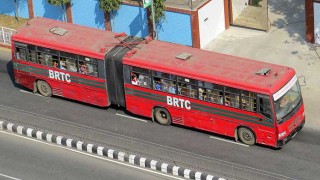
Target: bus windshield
x: 288, y: 102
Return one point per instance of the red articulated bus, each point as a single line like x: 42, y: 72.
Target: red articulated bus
x: 252, y: 101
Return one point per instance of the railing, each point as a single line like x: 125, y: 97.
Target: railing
x: 5, y: 35
x: 186, y: 3
x: 180, y: 4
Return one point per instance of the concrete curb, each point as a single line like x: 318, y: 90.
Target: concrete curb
x: 108, y: 153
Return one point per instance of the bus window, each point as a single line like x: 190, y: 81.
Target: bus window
x: 21, y: 53
x: 32, y: 56
x: 187, y: 87
x: 144, y: 80
x: 71, y: 65
x: 210, y: 92
x: 232, y: 97
x: 188, y: 90
x: 68, y: 61
x: 88, y: 66
x: 140, y: 79
x: 164, y: 82
x: 264, y: 106
x: 248, y: 101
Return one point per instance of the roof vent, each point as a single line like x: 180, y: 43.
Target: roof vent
x: 58, y: 31
x: 183, y: 56
x: 263, y: 71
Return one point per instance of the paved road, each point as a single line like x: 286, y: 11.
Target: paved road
x: 22, y: 159
x: 186, y: 147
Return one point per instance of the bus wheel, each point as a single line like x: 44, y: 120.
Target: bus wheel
x: 44, y: 88
x: 162, y: 116
x: 246, y: 136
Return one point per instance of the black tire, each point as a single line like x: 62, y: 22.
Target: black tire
x: 44, y: 88
x: 246, y: 136
x: 162, y: 116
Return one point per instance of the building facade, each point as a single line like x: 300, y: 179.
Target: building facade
x: 313, y: 21
x: 192, y: 23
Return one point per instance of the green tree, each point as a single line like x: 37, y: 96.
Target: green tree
x: 110, y: 5
x: 61, y: 3
x: 158, y: 10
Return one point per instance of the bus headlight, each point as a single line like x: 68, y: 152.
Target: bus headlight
x: 282, y: 134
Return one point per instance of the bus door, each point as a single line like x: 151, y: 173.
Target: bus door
x: 265, y: 121
x: 21, y: 65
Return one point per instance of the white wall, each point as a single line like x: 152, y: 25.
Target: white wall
x: 237, y: 7
x: 211, y: 21
x: 316, y: 7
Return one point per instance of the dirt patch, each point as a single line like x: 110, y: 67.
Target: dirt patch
x: 11, y: 21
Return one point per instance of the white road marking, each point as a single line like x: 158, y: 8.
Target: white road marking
x: 131, y: 117
x: 28, y: 92
x: 6, y: 176
x: 212, y: 137
x: 91, y: 155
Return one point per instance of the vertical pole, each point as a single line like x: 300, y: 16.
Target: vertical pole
x: 10, y: 38
x: 155, y: 36
x: 2, y: 32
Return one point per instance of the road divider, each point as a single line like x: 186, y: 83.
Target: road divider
x: 133, y: 159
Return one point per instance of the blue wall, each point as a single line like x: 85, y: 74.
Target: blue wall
x: 175, y: 28
x: 88, y: 13
x: 132, y: 20
x: 42, y: 8
x: 7, y: 7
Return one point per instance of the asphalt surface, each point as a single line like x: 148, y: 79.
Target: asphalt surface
x: 26, y: 159
x: 182, y: 146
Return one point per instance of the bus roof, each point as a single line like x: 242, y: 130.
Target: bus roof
x: 66, y: 37
x: 210, y: 66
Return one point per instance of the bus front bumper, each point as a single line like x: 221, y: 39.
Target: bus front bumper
x: 291, y: 135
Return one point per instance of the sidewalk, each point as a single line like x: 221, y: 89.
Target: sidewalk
x: 283, y: 44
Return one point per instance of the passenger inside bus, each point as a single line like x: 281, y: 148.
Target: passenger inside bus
x: 157, y: 86
x: 165, y: 85
x: 227, y: 100
x: 18, y: 54
x: 55, y: 64
x: 83, y: 68
x: 202, y: 93
x: 63, y: 64
x: 143, y: 80
x: 172, y: 88
x: 134, y: 79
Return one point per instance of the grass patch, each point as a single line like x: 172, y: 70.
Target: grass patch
x: 11, y: 21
